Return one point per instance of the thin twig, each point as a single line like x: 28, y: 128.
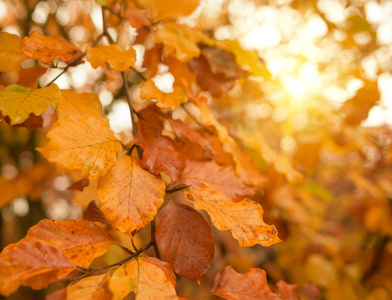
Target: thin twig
x: 153, y: 240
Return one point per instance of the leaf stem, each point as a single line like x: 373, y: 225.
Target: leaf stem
x: 153, y: 240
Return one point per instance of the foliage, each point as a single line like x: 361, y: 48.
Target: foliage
x: 180, y: 196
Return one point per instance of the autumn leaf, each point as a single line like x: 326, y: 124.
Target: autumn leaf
x: 33, y: 264
x: 91, y: 288
x: 160, y: 154
x: 79, y: 185
x: 287, y: 291
x: 185, y: 240
x: 80, y: 241
x: 10, y: 54
x: 164, y: 9
x: 253, y: 284
x: 79, y: 105
x: 210, y: 174
x: 94, y: 213
x: 244, y: 219
x: 117, y: 59
x: 145, y: 277
x: 130, y: 196
x: 172, y: 100
x: 29, y: 77
x: 86, y: 144
x: 18, y: 102
x: 47, y: 48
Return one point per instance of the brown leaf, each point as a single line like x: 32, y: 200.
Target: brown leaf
x: 231, y: 285
x: 47, y: 48
x: 31, y: 123
x: 91, y: 288
x: 216, y: 70
x: 311, y: 291
x: 145, y: 277
x: 130, y: 196
x: 209, y: 174
x: 94, y: 214
x: 287, y: 291
x: 185, y: 131
x: 33, y: 264
x: 244, y: 219
x: 160, y: 154
x: 185, y: 240
x: 79, y: 185
x: 80, y: 241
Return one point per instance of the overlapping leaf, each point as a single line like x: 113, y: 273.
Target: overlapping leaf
x: 87, y: 144
x: 147, y: 277
x: 209, y: 174
x: 185, y: 240
x: 79, y: 105
x: 117, y: 59
x: 130, y: 196
x: 244, y: 219
x: 33, y: 264
x: 47, y: 48
x: 231, y: 285
x: 10, y: 54
x: 18, y: 102
x: 80, y: 241
x: 172, y: 100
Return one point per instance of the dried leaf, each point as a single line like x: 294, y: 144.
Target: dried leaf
x: 185, y: 240
x: 79, y: 105
x: 172, y: 100
x: 86, y: 144
x: 33, y: 264
x: 10, y: 54
x: 31, y: 123
x: 231, y: 285
x: 91, y: 288
x: 244, y: 219
x: 94, y: 214
x: 79, y: 185
x: 29, y: 77
x: 137, y: 19
x: 80, y: 241
x: 130, y: 196
x: 117, y: 59
x: 287, y: 291
x: 47, y: 48
x: 18, y: 102
x: 145, y: 278
x: 209, y: 174
x: 164, y: 9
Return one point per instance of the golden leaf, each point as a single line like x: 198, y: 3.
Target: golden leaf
x: 117, y: 59
x: 10, y: 54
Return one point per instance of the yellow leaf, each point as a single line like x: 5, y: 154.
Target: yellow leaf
x: 117, y: 59
x: 86, y: 144
x: 244, y: 219
x: 130, y: 196
x: 18, y: 102
x: 79, y: 105
x: 90, y: 288
x: 180, y: 41
x: 164, y: 9
x: 172, y: 100
x: 145, y: 277
x: 10, y: 54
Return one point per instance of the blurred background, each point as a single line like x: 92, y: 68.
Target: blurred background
x: 320, y: 110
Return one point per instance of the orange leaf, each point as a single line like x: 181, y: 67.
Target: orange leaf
x: 10, y: 54
x: 47, y: 48
x: 287, y: 291
x: 145, y: 277
x: 79, y: 185
x: 93, y: 213
x: 244, y: 219
x: 117, y: 59
x: 79, y: 105
x: 86, y: 144
x: 18, y: 102
x: 172, y: 100
x: 209, y: 174
x: 34, y: 264
x: 231, y: 285
x: 185, y: 240
x: 164, y: 9
x: 91, y: 288
x: 80, y: 241
x: 29, y: 77
x: 130, y: 196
